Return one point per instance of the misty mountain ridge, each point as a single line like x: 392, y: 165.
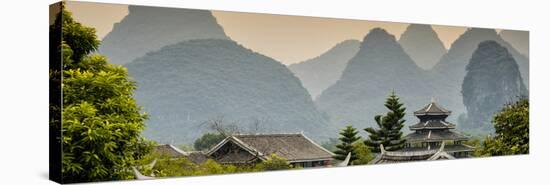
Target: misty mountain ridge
x: 493, y: 80
x: 448, y: 74
x: 452, y: 65
x: 379, y: 67
x: 183, y: 86
x: 423, y: 45
x: 319, y: 73
x: 147, y: 29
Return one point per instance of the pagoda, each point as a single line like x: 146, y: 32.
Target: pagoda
x: 433, y: 130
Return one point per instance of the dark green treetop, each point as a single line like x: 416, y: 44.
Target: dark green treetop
x: 348, y: 138
x: 389, y: 132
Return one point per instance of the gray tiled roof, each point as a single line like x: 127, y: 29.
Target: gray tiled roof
x: 432, y: 124
x: 432, y: 109
x: 293, y: 147
x: 409, y: 156
x: 434, y: 135
x: 448, y: 148
x: 197, y: 157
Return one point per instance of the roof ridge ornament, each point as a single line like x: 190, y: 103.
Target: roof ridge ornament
x: 140, y: 176
x: 382, y: 150
x: 345, y: 162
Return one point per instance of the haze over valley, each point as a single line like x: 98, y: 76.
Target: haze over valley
x: 196, y: 67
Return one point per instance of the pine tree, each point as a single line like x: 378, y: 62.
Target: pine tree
x: 389, y: 131
x: 348, y: 137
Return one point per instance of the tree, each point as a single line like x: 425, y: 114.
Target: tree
x: 101, y: 122
x: 274, y: 162
x: 512, y: 131
x: 389, y: 132
x: 348, y: 137
x: 363, y: 153
x: 207, y: 141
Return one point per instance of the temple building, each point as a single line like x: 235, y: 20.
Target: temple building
x: 253, y: 148
x: 433, y: 130
x: 432, y: 139
x: 408, y: 156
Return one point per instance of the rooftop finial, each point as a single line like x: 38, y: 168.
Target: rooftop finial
x: 433, y: 99
x: 382, y: 150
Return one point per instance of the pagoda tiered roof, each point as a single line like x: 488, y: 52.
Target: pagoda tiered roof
x: 432, y: 126
x: 435, y: 135
x: 410, y: 156
x: 432, y: 109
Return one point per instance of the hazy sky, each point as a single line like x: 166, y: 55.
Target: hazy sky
x: 288, y: 39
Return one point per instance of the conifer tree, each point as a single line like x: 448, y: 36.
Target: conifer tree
x: 348, y: 137
x: 389, y: 127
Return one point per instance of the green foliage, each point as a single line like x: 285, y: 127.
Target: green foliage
x: 389, y: 132
x: 207, y: 141
x: 168, y: 167
x: 101, y: 121
x: 348, y: 137
x: 82, y: 39
x: 273, y: 163
x: 512, y: 131
x: 474, y: 141
x: 363, y: 153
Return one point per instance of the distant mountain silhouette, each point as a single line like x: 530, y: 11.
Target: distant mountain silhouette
x: 320, y: 72
x: 448, y: 74
x: 184, y: 85
x: 379, y: 67
x: 147, y: 29
x: 422, y: 44
x: 492, y: 80
x: 453, y: 64
x: 518, y: 39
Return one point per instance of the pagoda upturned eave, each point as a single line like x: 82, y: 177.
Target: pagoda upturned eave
x: 435, y: 136
x: 432, y: 109
x: 432, y: 124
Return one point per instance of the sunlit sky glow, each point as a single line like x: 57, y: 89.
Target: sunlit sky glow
x: 289, y: 39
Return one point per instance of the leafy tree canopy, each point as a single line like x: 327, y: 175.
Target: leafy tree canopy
x: 207, y: 141
x: 102, y: 123
x: 363, y: 153
x: 274, y: 163
x: 512, y: 131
